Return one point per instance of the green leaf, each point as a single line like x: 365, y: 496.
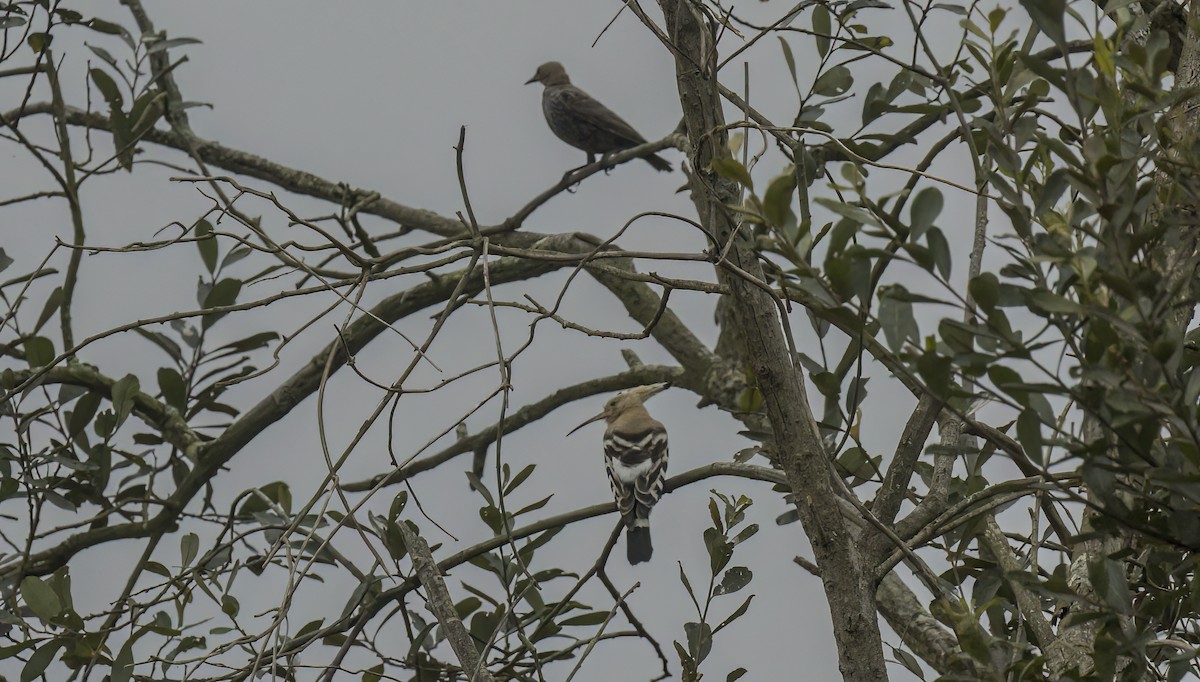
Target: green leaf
x: 230, y: 605
x: 122, y: 669
x: 789, y: 516
x: 734, y: 579
x: 737, y: 613
x: 715, y: 515
x: 467, y: 606
x: 896, y: 319
x: 276, y: 491
x: 123, y: 393
x: 834, y: 82
x: 855, y: 213
x: 593, y: 618
x: 236, y: 254
x: 1029, y: 434
x: 1108, y: 577
x: 909, y: 662
x: 107, y: 87
x: 720, y: 550
x: 162, y: 341
x: 189, y: 547
x: 146, y: 111
x: 939, y: 248
x: 123, y: 138
x: 39, y: 41
x: 102, y: 26
x: 746, y: 534
x: 173, y: 388
x: 1048, y: 16
x: 935, y: 372
x: 223, y: 293
x: 985, y: 291
x: 686, y: 663
x: 373, y: 674
x: 160, y: 45
x: 397, y: 506
x: 687, y: 584
x: 728, y: 167
x: 1050, y: 302
x: 253, y: 342
x: 735, y: 674
x: 533, y: 506
x: 5, y: 260
x: 53, y: 303
x: 519, y: 479
x: 491, y: 516
x: 39, y: 351
x: 1052, y: 191
x: 40, y: 660
x: 699, y: 639
x: 926, y: 207
x: 791, y: 62
x: 478, y: 485
x: 822, y: 29
x: 777, y: 202
x: 207, y: 243
x: 309, y: 627
x: 971, y: 636
x: 40, y: 598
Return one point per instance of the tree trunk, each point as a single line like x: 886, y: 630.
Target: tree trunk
x: 848, y: 584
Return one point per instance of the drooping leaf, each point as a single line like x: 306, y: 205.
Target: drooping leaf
x: 699, y: 639
x: 53, y: 303
x: 926, y: 207
x: 123, y: 392
x: 834, y: 82
x: 822, y: 28
x: 207, y: 243
x: 189, y: 547
x: 173, y: 388
x: 728, y: 167
x: 40, y: 659
x: 40, y: 598
x: 39, y: 351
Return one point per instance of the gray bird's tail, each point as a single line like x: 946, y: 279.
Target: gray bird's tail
x: 658, y: 162
x: 637, y: 544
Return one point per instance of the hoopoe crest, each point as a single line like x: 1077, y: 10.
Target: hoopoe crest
x: 635, y: 455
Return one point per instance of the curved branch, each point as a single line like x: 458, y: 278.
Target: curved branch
x: 166, y: 420
x: 212, y: 456
x: 251, y: 165
x: 526, y: 415
x: 380, y: 601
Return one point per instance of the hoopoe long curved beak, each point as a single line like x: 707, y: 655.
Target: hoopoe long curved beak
x: 597, y: 418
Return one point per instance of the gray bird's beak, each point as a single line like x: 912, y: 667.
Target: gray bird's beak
x: 532, y: 80
x: 593, y: 419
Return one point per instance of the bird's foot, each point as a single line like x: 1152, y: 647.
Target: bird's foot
x: 572, y: 185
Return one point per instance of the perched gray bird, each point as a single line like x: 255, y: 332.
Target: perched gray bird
x: 635, y: 455
x: 581, y: 121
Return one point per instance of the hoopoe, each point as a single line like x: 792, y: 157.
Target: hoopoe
x: 635, y: 455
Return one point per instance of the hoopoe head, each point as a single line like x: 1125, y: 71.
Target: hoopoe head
x: 623, y: 402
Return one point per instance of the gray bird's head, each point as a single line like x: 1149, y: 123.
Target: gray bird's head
x: 623, y: 402
x: 550, y: 73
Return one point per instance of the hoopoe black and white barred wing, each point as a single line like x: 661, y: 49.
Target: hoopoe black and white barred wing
x: 636, y: 460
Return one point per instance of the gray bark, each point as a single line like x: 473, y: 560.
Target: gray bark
x: 849, y: 586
